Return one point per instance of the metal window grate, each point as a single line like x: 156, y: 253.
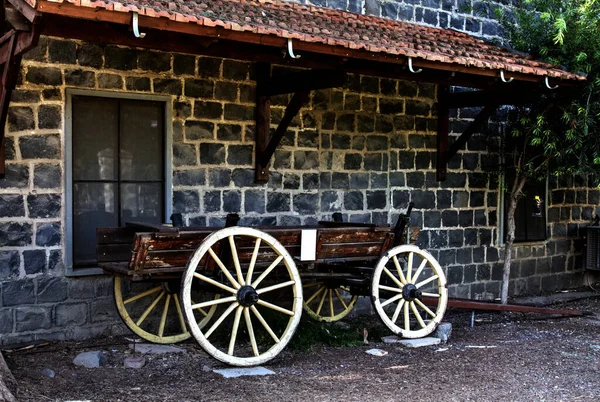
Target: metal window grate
x: 592, y: 257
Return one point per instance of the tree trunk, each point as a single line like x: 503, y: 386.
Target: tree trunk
x: 510, y: 235
x: 6, y: 377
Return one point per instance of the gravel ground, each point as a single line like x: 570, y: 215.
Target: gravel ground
x: 505, y: 357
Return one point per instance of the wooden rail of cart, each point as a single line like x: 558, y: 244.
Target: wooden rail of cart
x: 240, y: 291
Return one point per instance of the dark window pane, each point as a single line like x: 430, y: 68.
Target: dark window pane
x: 142, y: 202
x: 141, y: 140
x: 95, y: 135
x: 93, y: 206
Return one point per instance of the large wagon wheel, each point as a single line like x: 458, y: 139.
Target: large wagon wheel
x: 259, y: 265
x: 326, y: 301
x: 153, y: 310
x: 405, y: 281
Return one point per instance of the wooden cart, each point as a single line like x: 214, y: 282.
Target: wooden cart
x: 240, y: 291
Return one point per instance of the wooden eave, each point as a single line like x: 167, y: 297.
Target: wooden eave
x: 109, y: 27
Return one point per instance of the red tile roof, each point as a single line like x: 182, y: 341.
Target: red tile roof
x: 311, y: 24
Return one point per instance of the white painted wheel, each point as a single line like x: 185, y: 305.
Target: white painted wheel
x: 258, y: 280
x: 407, y: 283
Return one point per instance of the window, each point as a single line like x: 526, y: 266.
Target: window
x: 116, y: 169
x: 530, y: 216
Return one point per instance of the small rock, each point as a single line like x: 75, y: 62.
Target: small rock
x: 365, y: 336
x: 154, y: 349
x: 90, y: 359
x: 135, y: 362
x: 417, y: 343
x: 390, y: 339
x: 48, y: 373
x: 206, y: 368
x: 443, y: 331
x: 376, y: 352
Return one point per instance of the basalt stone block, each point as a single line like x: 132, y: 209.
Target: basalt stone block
x: 186, y: 201
x: 310, y: 181
x: 182, y: 109
x: 9, y: 264
x: 339, y: 180
x: 219, y: 177
x: 254, y: 201
x: 154, y: 61
x: 6, y: 320
x: 62, y: 51
x: 432, y: 219
x: 48, y: 234
x: 239, y: 154
x: 11, y: 205
x: 9, y: 149
x: 450, y: 218
x: 80, y: 78
x: 423, y: 199
x: 304, y: 160
x: 40, y: 146
x: 89, y: 55
x: 391, y: 106
x: 191, y: 177
x: 38, y: 53
x: 377, y: 143
x: 18, y: 292
x: 168, y: 86
x: 24, y: 96
x: 232, y: 201
x: 245, y: 177
x: 208, y: 110
x: 55, y: 262
x: 198, y: 88
x: 376, y: 199
x: 278, y: 202
x: 397, y: 179
x: 239, y: 112
x: 110, y: 81
x: 15, y: 234
x: 212, y: 201
x: 291, y: 181
x: 34, y: 261
x: 141, y: 84
x: 120, y: 58
x: 20, y: 118
x: 199, y: 130
x: 374, y: 161
x: 460, y: 199
x: 212, y: 154
x: 346, y: 122
x: 184, y: 154
x: 359, y: 180
x: 70, y: 314
x: 400, y: 198
x: 44, y: 205
x: 306, y: 204
x: 33, y: 318
x: 352, y: 102
x: 226, y: 91
x: 184, y: 64
x: 235, y: 70
x: 229, y: 132
x: 340, y: 141
x: 415, y: 179
x: 49, y: 116
x: 308, y: 138
x: 44, y: 76
x: 354, y: 201
x: 209, y: 67
x: 103, y: 310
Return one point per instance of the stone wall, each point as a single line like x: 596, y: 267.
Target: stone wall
x: 365, y: 150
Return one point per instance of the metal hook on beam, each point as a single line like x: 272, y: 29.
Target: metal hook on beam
x: 548, y: 84
x: 290, y: 49
x: 504, y: 79
x: 136, y: 27
x: 410, y: 67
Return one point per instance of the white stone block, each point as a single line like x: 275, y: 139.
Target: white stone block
x: 417, y: 343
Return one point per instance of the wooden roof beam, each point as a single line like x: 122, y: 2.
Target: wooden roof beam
x: 26, y: 10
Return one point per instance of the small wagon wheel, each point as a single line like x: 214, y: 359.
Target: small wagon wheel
x: 260, y: 288
x: 405, y: 281
x: 327, y: 302
x: 153, y: 310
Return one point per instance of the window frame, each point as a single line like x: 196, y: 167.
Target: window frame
x: 68, y: 161
x: 502, y: 212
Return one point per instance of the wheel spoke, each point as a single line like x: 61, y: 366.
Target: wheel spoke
x: 331, y: 303
x: 236, y: 261
x: 250, y: 330
x: 399, y: 283
x: 146, y: 293
x: 399, y: 269
x: 426, y: 281
x: 337, y: 294
x: 267, y: 272
x: 224, y: 269
x: 215, y: 283
x: 163, y: 319
x: 406, y: 319
x: 391, y: 300
x: 310, y: 285
x: 417, y: 314
x: 322, y: 288
x: 221, y: 319
x: 253, y: 261
x: 234, y: 330
x: 424, y: 307
x: 409, y: 267
x: 150, y: 308
x: 264, y: 323
x: 180, y: 313
x: 214, y: 302
x: 275, y: 287
x: 416, y: 275
x: 436, y: 295
x: 321, y: 303
x: 395, y: 290
x: 276, y: 308
x: 398, y: 310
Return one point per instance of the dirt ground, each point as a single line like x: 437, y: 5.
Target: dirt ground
x: 504, y: 357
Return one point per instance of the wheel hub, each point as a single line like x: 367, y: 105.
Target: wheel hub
x: 247, y: 296
x: 410, y: 292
